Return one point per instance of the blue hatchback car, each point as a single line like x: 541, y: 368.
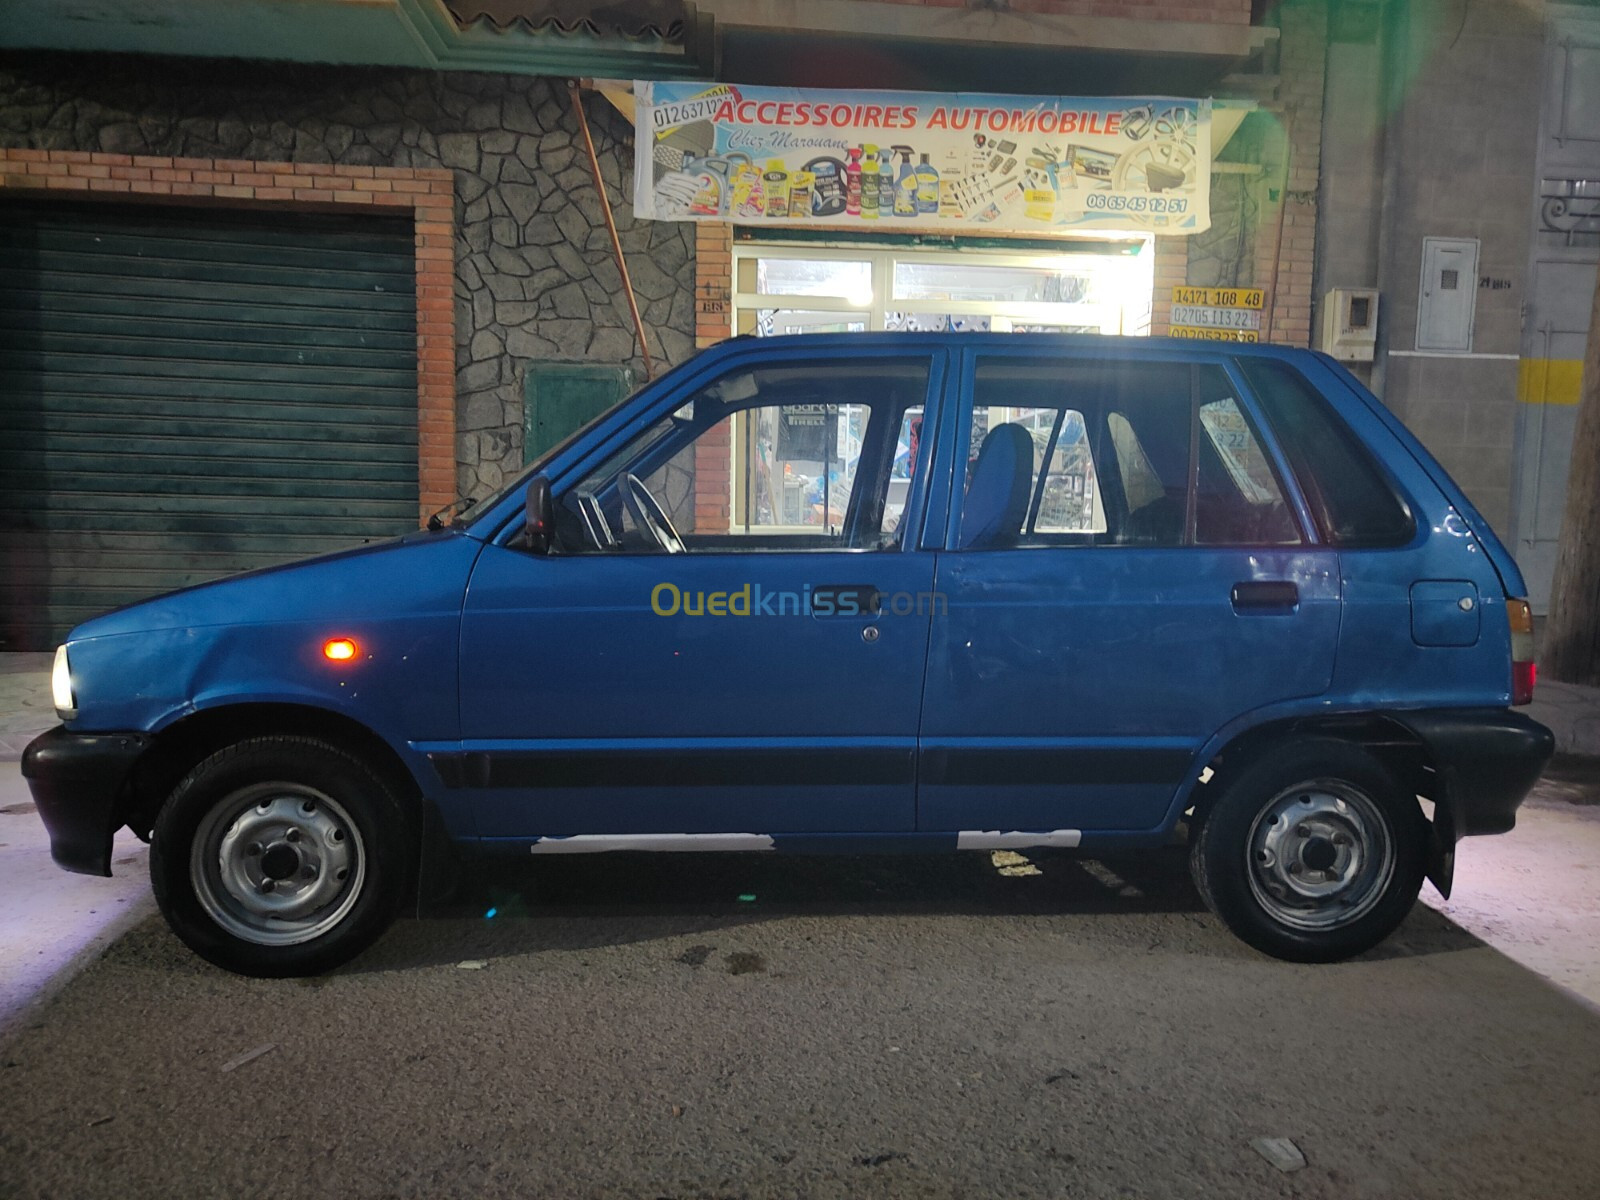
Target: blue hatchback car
x: 850, y: 593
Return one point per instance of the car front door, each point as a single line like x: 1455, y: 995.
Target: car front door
x: 730, y: 635
x: 1125, y: 570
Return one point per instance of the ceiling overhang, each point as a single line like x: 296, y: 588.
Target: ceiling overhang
x: 648, y: 39
x: 856, y: 44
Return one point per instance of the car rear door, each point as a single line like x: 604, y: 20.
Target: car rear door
x: 1133, y: 573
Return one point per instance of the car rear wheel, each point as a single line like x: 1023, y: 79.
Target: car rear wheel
x: 280, y: 856
x: 1313, y: 853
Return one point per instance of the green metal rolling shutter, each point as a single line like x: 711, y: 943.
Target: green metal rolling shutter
x: 186, y: 393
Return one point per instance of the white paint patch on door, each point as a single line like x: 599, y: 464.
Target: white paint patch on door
x: 1021, y: 839
x: 697, y: 843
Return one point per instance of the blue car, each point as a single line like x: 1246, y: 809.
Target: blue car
x: 1125, y: 593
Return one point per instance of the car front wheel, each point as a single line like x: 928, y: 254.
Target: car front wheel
x: 280, y: 856
x: 1313, y: 853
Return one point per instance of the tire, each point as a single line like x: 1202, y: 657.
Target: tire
x: 1313, y: 853
x: 280, y: 856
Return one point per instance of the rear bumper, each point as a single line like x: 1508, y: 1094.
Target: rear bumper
x: 1487, y: 760
x: 77, y: 780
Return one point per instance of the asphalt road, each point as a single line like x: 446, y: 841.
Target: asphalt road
x: 942, y: 1027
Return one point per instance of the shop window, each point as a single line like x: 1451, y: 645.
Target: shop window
x: 992, y: 283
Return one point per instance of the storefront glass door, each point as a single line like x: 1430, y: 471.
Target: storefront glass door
x: 782, y: 289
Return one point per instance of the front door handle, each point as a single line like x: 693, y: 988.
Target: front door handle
x: 846, y: 600
x: 1265, y: 596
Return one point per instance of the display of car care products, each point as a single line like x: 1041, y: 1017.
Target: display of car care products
x: 885, y: 186
x: 950, y: 174
x: 852, y: 183
x: 747, y: 193
x: 828, y: 187
x: 800, y: 191
x: 775, y: 188
x: 927, y: 190
x: 905, y: 184
x: 869, y: 182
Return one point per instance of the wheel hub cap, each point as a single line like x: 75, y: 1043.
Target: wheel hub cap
x: 1320, y: 855
x: 277, y: 863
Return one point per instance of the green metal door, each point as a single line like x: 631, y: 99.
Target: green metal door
x: 186, y: 393
x: 558, y: 399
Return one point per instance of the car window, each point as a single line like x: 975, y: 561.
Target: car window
x: 1065, y: 452
x: 1238, y: 498
x: 1141, y: 485
x: 1349, y: 496
x: 787, y: 456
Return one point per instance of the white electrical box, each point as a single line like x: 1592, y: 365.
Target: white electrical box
x: 1447, y: 300
x: 1350, y: 323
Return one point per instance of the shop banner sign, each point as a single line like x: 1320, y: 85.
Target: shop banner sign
x: 908, y: 161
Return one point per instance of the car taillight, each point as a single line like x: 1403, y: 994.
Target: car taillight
x: 1523, y: 668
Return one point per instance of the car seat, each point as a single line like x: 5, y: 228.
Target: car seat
x: 997, y: 497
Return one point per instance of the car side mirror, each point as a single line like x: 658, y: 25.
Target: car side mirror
x: 538, y: 528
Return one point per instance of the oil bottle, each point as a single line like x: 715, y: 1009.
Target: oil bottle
x: 852, y: 183
x: 775, y: 188
x: 905, y: 184
x: 927, y: 189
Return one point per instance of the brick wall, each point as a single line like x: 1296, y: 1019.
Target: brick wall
x: 1303, y: 59
x: 713, y: 321
x: 1235, y: 12
x: 1171, y: 270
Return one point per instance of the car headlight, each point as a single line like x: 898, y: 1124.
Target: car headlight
x: 61, y: 686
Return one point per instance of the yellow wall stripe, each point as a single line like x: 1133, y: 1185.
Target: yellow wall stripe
x: 1549, y: 380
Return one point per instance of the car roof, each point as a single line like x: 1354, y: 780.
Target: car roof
x: 1105, y: 343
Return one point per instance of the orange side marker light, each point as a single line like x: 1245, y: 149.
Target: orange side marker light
x: 338, y: 649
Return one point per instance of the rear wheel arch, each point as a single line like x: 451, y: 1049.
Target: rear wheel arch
x: 1387, y: 739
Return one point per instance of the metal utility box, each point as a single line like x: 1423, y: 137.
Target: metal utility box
x: 1447, y: 301
x: 1350, y: 323
x: 561, y: 398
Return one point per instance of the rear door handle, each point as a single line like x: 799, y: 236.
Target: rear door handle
x: 1265, y: 596
x: 845, y: 600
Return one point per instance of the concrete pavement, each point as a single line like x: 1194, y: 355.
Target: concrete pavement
x: 26, y: 709
x: 754, y: 1026
x: 52, y: 921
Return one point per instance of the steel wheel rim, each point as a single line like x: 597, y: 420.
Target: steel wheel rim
x: 1320, y: 855
x: 277, y: 864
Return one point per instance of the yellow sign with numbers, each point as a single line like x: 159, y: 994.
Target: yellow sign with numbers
x: 1214, y: 335
x: 1220, y: 297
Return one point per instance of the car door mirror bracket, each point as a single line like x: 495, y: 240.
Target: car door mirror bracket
x: 538, y: 522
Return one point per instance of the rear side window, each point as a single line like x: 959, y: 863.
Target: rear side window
x: 1349, y: 496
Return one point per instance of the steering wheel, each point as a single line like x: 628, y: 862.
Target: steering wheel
x: 649, y: 515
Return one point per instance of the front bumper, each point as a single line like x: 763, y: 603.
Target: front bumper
x: 77, y: 780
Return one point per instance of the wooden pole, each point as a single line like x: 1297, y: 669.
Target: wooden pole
x: 611, y: 227
x: 1572, y: 632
